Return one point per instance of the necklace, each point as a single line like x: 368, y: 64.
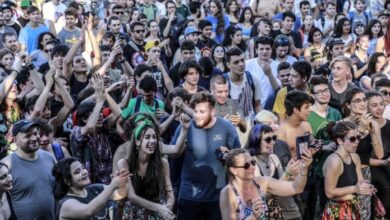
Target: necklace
x: 264, y: 161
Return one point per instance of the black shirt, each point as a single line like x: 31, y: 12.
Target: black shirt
x: 296, y: 37
x: 174, y: 74
x: 134, y: 53
x: 76, y: 87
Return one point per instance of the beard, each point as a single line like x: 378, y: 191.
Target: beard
x: 205, y: 122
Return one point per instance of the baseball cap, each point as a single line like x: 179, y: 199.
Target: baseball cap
x: 335, y: 41
x: 150, y: 44
x: 383, y: 12
x: 190, y: 30
x: 23, y: 126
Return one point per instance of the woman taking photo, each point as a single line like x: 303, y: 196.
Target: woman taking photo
x: 149, y: 190
x: 78, y: 198
x: 261, y: 143
x: 245, y: 196
x: 355, y: 108
x: 343, y: 176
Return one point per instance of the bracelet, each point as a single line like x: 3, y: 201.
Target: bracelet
x: 300, y: 171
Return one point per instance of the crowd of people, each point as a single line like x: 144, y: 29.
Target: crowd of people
x: 195, y: 109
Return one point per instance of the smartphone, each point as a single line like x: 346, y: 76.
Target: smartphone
x: 302, y: 143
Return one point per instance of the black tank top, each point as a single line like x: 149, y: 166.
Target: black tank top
x: 349, y: 175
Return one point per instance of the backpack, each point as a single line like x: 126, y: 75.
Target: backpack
x: 138, y: 104
x: 250, y: 81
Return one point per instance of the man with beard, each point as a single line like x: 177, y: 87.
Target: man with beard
x: 4, y: 29
x: 30, y: 167
x: 203, y: 175
x: 380, y: 168
x: 281, y: 50
x: 9, y: 18
x: 10, y: 42
x: 134, y: 51
x: 319, y: 119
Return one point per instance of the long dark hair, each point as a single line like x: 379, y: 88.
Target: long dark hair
x: 371, y: 68
x: 338, y: 31
x: 371, y: 24
x: 219, y: 16
x: 254, y: 138
x: 154, y: 181
x: 230, y: 32
x: 63, y: 176
x: 348, y: 99
x: 340, y: 129
x: 242, y: 15
x: 223, y: 59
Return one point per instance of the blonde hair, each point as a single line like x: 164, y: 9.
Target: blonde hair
x: 264, y: 115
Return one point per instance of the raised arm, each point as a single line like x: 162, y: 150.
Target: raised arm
x: 6, y: 85
x: 67, y: 69
x: 94, y: 43
x: 94, y: 117
x: 42, y: 99
x: 73, y: 209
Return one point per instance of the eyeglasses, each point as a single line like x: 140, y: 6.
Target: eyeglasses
x: 353, y: 139
x: 359, y: 100
x: 247, y: 165
x: 48, y: 50
x: 385, y: 92
x: 119, y: 12
x: 270, y: 138
x: 139, y: 31
x: 322, y: 92
x: 282, y: 41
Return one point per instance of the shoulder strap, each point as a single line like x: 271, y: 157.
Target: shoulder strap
x: 234, y: 190
x: 252, y: 84
x: 57, y: 150
x: 137, y: 104
x: 323, y: 22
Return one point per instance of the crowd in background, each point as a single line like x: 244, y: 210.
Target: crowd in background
x: 195, y: 109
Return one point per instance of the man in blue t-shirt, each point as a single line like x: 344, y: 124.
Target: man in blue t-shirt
x: 28, y: 36
x: 203, y: 175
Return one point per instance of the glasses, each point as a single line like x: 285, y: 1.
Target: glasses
x: 353, y: 139
x: 282, y: 41
x: 119, y: 12
x: 270, y: 138
x: 247, y: 165
x: 359, y: 100
x: 139, y: 31
x: 322, y: 92
x: 385, y: 92
x: 48, y: 50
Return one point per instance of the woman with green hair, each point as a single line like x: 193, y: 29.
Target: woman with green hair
x: 150, y: 192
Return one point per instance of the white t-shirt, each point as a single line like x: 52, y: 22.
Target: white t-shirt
x: 290, y: 60
x: 243, y: 95
x: 253, y: 67
x: 53, y: 12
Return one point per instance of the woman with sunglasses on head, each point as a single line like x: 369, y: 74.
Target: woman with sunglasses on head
x: 343, y: 176
x: 355, y: 108
x: 261, y: 143
x: 245, y: 195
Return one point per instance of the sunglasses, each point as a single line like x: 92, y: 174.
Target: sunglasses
x: 353, y: 139
x: 269, y: 139
x: 119, y: 12
x: 385, y: 92
x: 247, y: 165
x: 282, y: 41
x: 48, y: 51
x: 139, y: 31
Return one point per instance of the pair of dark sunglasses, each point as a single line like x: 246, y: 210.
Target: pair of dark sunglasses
x: 353, y: 139
x: 139, y: 31
x: 271, y: 138
x: 247, y: 165
x: 385, y: 93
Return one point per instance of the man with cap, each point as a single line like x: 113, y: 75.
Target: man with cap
x: 8, y: 15
x: 4, y: 28
x: 159, y: 71
x: 190, y: 34
x: 30, y: 167
x: 382, y: 17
